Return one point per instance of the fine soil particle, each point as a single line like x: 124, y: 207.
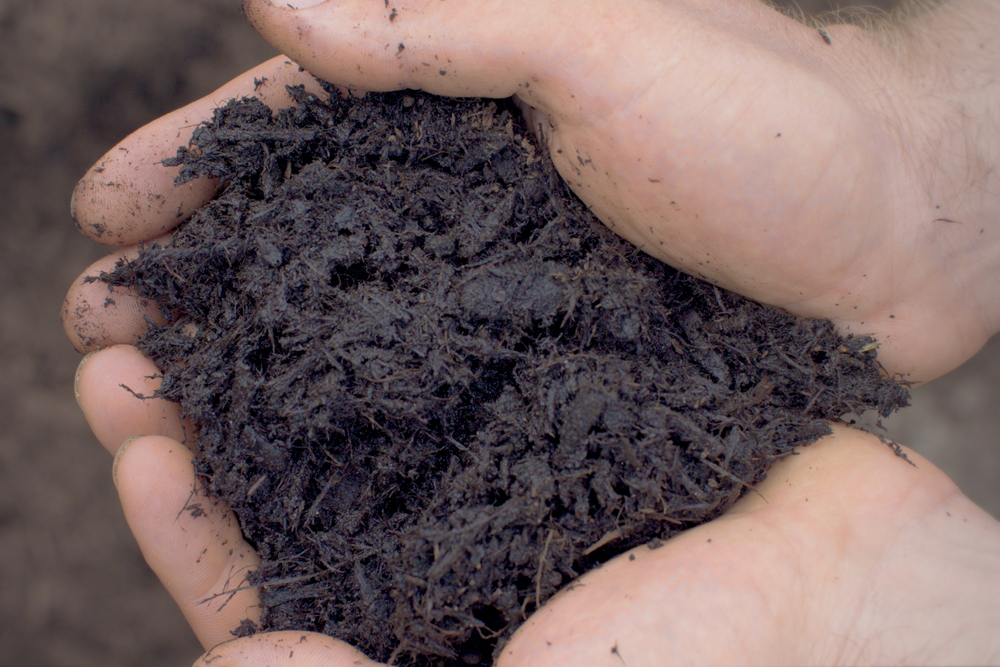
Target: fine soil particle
x: 435, y: 389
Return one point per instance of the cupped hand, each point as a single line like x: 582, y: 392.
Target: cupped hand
x: 726, y: 139
x: 845, y: 554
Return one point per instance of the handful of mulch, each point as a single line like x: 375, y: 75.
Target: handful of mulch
x: 435, y: 389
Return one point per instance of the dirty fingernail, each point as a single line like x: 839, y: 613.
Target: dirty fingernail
x: 76, y: 378
x: 118, y: 458
x: 72, y: 204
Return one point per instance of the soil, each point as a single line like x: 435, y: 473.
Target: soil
x: 447, y: 390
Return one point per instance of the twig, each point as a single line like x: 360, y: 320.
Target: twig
x: 541, y: 569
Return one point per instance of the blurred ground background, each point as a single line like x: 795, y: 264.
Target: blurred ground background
x: 75, y: 78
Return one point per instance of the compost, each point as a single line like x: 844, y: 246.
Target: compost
x: 435, y: 389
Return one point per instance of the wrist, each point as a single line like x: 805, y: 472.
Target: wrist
x: 950, y: 58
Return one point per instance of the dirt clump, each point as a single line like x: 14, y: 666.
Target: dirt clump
x: 435, y: 389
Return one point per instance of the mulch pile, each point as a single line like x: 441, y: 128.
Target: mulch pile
x: 435, y: 389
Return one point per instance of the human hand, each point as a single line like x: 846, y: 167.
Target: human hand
x: 846, y: 554
x: 853, y: 180
x: 832, y: 180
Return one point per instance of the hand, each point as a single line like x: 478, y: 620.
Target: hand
x: 843, y: 214
x: 852, y: 180
x: 833, y: 180
x: 846, y: 554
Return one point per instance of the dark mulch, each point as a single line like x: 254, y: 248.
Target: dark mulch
x: 435, y: 389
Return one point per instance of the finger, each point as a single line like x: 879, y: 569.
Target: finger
x: 115, y: 389
x: 285, y: 649
x: 459, y: 49
x: 191, y: 541
x: 97, y: 315
x: 129, y: 195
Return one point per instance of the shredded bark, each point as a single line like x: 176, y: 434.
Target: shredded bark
x: 435, y: 389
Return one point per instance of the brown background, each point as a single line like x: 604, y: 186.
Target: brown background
x: 76, y: 77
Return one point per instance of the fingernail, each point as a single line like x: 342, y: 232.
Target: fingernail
x: 118, y: 458
x: 297, y: 4
x: 72, y: 204
x: 76, y: 378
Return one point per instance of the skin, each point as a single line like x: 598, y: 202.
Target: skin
x: 877, y: 206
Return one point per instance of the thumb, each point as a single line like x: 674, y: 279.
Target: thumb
x: 285, y: 649
x: 487, y: 48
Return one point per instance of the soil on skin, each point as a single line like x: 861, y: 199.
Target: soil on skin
x: 435, y: 389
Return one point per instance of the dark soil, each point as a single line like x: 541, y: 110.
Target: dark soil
x: 435, y: 389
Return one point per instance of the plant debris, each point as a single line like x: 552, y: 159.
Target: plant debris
x: 435, y: 389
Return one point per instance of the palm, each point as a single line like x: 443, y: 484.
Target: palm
x: 813, y: 570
